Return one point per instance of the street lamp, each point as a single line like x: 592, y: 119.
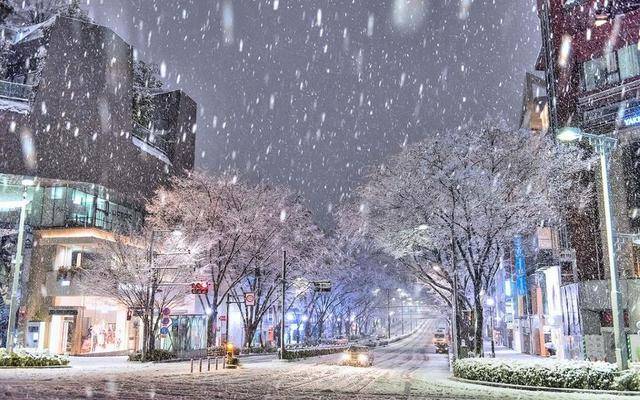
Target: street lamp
x: 605, y: 145
x: 17, y: 266
x: 490, y: 304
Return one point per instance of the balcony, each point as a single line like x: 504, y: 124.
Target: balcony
x: 15, y: 91
x: 154, y: 142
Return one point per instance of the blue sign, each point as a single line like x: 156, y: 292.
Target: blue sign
x: 521, y: 269
x: 164, y: 330
x: 631, y: 116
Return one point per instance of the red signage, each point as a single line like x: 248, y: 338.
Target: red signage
x: 222, y: 318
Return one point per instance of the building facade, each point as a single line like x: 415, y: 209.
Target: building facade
x: 66, y: 122
x: 591, y: 63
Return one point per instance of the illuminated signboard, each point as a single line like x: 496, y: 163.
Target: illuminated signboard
x: 521, y: 270
x: 631, y: 115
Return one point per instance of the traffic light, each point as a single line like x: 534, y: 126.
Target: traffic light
x: 199, y: 287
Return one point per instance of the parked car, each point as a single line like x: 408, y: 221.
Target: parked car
x: 358, y: 356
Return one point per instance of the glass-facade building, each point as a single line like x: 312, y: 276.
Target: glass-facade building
x: 58, y: 204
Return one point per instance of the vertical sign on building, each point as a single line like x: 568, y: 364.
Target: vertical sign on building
x: 521, y: 270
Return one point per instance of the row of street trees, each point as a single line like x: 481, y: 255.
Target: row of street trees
x: 451, y: 204
x: 231, y: 234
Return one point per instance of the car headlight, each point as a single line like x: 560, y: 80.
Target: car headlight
x: 363, y: 358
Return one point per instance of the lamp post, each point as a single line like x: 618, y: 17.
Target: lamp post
x: 154, y: 286
x: 490, y: 304
x: 604, y: 145
x: 17, y: 265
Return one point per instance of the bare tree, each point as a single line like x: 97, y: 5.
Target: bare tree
x: 122, y: 269
x: 455, y: 200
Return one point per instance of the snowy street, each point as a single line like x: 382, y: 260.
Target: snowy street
x: 409, y: 369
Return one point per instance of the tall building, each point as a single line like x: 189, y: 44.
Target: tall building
x: 592, y: 64
x: 66, y: 121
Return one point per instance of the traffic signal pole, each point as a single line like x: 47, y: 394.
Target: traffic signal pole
x: 284, y: 311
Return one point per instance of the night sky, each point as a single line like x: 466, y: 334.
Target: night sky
x: 311, y: 93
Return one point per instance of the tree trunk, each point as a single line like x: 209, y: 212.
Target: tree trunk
x: 479, y: 322
x: 249, y: 332
x: 212, y: 322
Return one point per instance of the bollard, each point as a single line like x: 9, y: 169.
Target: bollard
x: 216, y: 363
x: 192, y: 365
x: 200, y: 369
x: 224, y: 362
x: 208, y: 364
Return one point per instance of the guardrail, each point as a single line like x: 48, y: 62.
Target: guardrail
x: 15, y: 91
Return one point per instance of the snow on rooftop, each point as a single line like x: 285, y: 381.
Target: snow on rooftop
x: 20, y: 107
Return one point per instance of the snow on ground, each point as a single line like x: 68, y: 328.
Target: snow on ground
x: 405, y: 370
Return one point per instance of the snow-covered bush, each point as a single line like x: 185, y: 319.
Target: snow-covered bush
x: 24, y: 359
x: 153, y: 355
x: 546, y: 373
x: 628, y: 380
x: 304, y: 353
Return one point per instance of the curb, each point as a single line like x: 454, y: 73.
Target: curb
x: 544, y: 388
x: 37, y: 367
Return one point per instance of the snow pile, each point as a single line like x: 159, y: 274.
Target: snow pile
x: 20, y: 107
x: 546, y: 373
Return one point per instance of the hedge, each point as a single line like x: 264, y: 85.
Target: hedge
x: 153, y: 355
x: 628, y: 380
x: 24, y: 359
x: 304, y: 353
x: 544, y: 373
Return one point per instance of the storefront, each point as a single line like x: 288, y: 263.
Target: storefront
x: 91, y: 325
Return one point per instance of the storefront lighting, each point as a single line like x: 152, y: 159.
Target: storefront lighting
x: 28, y: 182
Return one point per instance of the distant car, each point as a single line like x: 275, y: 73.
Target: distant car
x: 342, y: 340
x: 370, y: 343
x: 357, y: 356
x: 440, y: 341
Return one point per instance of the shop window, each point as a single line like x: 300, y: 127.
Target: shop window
x: 601, y: 71
x: 76, y: 258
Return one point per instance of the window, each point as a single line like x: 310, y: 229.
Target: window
x: 629, y: 62
x: 76, y: 258
x: 612, y: 68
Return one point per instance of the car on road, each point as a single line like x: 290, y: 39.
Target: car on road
x: 357, y: 356
x: 440, y: 341
x: 342, y: 340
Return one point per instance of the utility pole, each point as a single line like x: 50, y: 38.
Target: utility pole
x: 388, y: 313
x: 402, y: 316
x: 284, y: 291
x: 454, y: 308
x: 226, y: 333
x: 151, y: 294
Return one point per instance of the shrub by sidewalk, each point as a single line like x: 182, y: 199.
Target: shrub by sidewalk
x: 154, y: 355
x: 304, y: 353
x: 548, y: 373
x: 23, y: 359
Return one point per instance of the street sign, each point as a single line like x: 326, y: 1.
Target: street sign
x: 222, y: 318
x: 249, y: 299
x: 164, y: 330
x: 166, y: 321
x: 166, y: 311
x: 322, y: 286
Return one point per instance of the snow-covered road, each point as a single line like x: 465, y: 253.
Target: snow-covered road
x: 404, y: 370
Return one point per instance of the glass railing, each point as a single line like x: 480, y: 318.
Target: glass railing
x: 155, y: 138
x: 15, y: 91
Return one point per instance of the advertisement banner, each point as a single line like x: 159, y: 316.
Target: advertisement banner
x: 521, y: 270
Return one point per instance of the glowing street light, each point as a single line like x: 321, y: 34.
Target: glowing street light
x: 605, y: 145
